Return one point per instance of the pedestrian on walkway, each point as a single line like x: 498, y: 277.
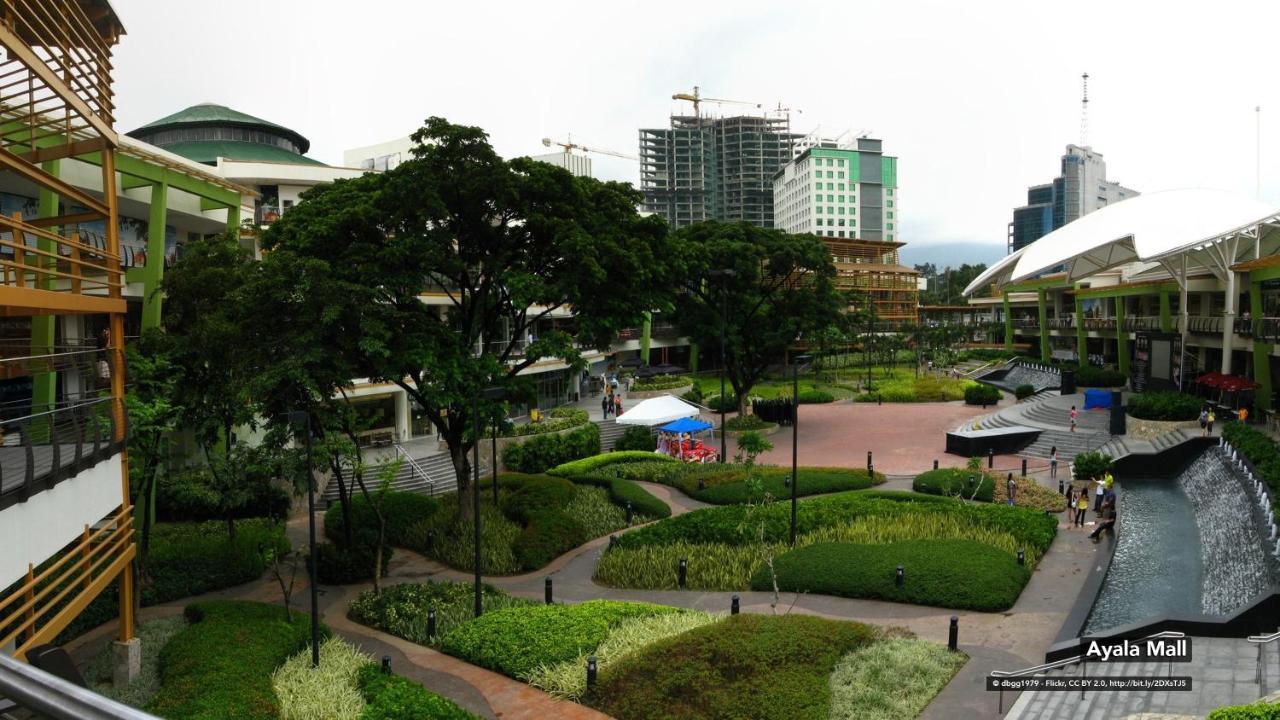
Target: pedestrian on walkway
x: 617, y: 405
x: 1010, y: 488
x: 1053, y: 463
x: 1107, y: 481
x: 1071, y: 506
x: 606, y: 405
x: 1212, y: 417
x: 1098, y: 492
x: 1204, y: 421
x: 1082, y: 505
x: 1106, y: 520
x: 1073, y: 418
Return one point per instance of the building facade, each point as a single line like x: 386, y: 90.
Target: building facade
x: 839, y: 192
x: 703, y: 168
x: 1080, y: 188
x: 579, y: 165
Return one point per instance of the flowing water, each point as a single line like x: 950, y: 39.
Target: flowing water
x: 1023, y: 375
x: 1192, y: 545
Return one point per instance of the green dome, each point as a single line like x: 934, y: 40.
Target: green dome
x: 205, y: 132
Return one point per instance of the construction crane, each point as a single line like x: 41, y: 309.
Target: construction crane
x: 569, y: 146
x: 697, y: 98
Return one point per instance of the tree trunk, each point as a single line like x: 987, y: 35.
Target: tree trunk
x: 462, y: 472
x: 231, y: 528
x: 343, y: 500
x: 377, y: 556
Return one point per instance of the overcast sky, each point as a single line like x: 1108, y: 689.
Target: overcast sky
x: 978, y: 100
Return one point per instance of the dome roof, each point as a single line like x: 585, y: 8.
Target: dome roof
x: 211, y: 115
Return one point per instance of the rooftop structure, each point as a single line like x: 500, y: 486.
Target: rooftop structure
x: 206, y: 132
x: 839, y: 192
x: 872, y: 268
x: 1081, y: 188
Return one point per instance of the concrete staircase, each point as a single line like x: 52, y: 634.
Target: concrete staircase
x: 433, y: 475
x: 610, y: 431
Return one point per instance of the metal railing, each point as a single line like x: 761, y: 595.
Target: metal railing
x: 415, y: 468
x: 37, y: 258
x: 49, y: 695
x: 1038, y: 669
x: 39, y: 450
x: 1261, y: 640
x: 1204, y: 324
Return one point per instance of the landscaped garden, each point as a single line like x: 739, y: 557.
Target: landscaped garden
x: 903, y: 386
x: 655, y: 661
x: 715, y: 483
x: 974, y: 483
x: 730, y: 548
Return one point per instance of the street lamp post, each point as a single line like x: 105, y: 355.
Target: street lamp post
x: 489, y: 393
x: 795, y: 437
x: 721, y: 274
x: 304, y: 417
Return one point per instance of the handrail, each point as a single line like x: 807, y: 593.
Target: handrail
x: 51, y: 696
x: 401, y: 452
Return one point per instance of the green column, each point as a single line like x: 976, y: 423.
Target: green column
x: 233, y: 218
x: 1082, y: 337
x: 1166, y: 316
x: 1261, y: 352
x: 1122, y: 337
x: 1008, y: 324
x: 645, y: 329
x: 153, y: 273
x: 1045, y: 355
x: 44, y: 386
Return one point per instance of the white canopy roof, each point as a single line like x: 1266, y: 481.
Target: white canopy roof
x: 997, y: 273
x: 1154, y: 226
x: 657, y: 411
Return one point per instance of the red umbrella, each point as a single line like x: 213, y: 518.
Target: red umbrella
x: 1211, y: 379
x: 1231, y: 383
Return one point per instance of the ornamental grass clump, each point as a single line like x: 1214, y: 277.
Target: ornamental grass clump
x: 328, y: 691
x: 892, y: 679
x: 402, y: 610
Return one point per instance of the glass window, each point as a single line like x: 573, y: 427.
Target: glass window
x: 853, y: 223
x: 888, y: 191
x: 829, y: 174
x: 819, y: 209
x: 828, y: 162
x: 890, y: 214
x: 841, y: 223
x: 840, y: 208
x: 889, y: 236
x: 841, y: 233
x: 829, y: 198
x: 840, y: 163
x: 829, y: 186
x: 840, y: 174
x: 890, y: 203
x: 841, y: 198
x: 890, y: 226
x: 840, y: 186
x: 853, y: 211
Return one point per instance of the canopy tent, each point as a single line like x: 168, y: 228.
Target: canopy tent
x: 658, y: 411
x: 686, y: 425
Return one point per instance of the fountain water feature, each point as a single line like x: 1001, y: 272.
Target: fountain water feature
x: 1038, y: 377
x: 1200, y: 530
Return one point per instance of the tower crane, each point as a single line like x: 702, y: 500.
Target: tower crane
x: 697, y: 98
x: 569, y: 146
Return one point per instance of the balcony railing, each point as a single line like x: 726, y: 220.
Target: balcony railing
x: 1100, y: 323
x: 41, y: 449
x: 33, y: 257
x: 1204, y: 324
x: 1142, y: 322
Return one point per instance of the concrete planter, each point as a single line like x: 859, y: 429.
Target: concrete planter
x: 1152, y: 429
x: 773, y: 429
x: 646, y: 394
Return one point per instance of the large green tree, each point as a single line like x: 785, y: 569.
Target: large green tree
x: 434, y: 275
x: 780, y: 288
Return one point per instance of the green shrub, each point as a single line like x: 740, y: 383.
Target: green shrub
x: 958, y: 574
x: 1167, y: 406
x: 1260, y: 450
x: 775, y: 481
x: 189, y: 494
x: 1024, y: 391
x: 757, y: 666
x: 524, y: 496
x: 152, y: 635
x: 547, y: 535
x: 636, y: 437
x: 402, y: 511
x: 516, y: 641
x: 402, y: 609
x: 1091, y: 465
x: 623, y: 491
x: 392, y: 697
x: 694, y: 396
x: 454, y: 537
x: 338, y: 565
x: 981, y: 395
x: 816, y: 397
x: 596, y: 514
x: 556, y: 419
x: 729, y: 402
x: 661, y: 382
x: 591, y: 464
x: 955, y: 482
x: 543, y: 452
x: 1255, y: 711
x: 1090, y: 376
x: 221, y: 665
x: 892, y: 679
x: 747, y: 422
x: 326, y: 691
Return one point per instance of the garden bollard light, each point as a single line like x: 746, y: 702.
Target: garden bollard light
x: 935, y: 463
x: 613, y: 541
x: 386, y: 664
x: 546, y: 590
x: 1062, y: 489
x: 879, y: 399
x: 1022, y: 557
x: 262, y: 550
x: 702, y: 484
x: 971, y: 482
x: 869, y: 465
x: 898, y: 578
x: 953, y: 635
x: 991, y: 458
x: 591, y: 673
x: 734, y: 605
x: 629, y: 512
x: 683, y: 572
x: 431, y: 542
x: 431, y: 622
x: 1024, y: 467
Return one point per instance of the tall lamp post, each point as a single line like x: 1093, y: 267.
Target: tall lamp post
x: 489, y: 393
x: 304, y: 418
x: 795, y: 436
x: 721, y: 274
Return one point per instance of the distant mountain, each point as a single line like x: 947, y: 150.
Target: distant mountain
x: 953, y: 254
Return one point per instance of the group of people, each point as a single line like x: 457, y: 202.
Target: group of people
x: 684, y: 447
x: 1104, y: 505
x: 611, y: 404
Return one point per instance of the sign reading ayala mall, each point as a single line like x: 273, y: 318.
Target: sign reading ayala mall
x: 1151, y: 649
x: 1146, y: 650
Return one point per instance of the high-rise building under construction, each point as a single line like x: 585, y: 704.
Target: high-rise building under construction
x: 704, y: 168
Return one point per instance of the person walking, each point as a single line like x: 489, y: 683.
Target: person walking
x: 1053, y: 463
x: 1010, y: 488
x: 1211, y: 418
x: 606, y: 404
x: 1082, y: 505
x: 1098, y: 492
x: 1071, y: 506
x: 1073, y: 418
x: 617, y: 405
x: 1204, y: 421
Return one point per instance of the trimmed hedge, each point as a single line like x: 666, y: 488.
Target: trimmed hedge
x: 1254, y: 711
x: 1167, y: 406
x: 221, y: 665
x: 187, y: 495
x: 660, y: 382
x: 402, y: 511
x: 1024, y: 391
x: 636, y: 437
x: 338, y: 565
x: 516, y: 641
x: 543, y: 452
x: 1260, y: 450
x: 757, y: 666
x: 1091, y: 465
x: 402, y: 609
x: 588, y: 465
x: 955, y: 481
x: 392, y: 697
x: 1090, y: 376
x: 556, y: 419
x: 815, y: 397
x: 957, y: 574
x: 747, y: 422
x: 623, y: 491
x: 981, y: 395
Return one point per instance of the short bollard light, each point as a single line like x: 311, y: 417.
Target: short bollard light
x: 971, y: 481
x: 1062, y: 489
x: 702, y: 484
x: 935, y: 463
x: 869, y: 465
x: 546, y: 590
x: 1022, y: 557
x: 1024, y: 467
x: 898, y: 577
x: 879, y: 399
x: 386, y: 664
x: 991, y: 458
x: 431, y: 622
x: 591, y: 673
x: 683, y: 572
x: 613, y: 541
x: 431, y: 541
x: 735, y: 605
x: 629, y: 514
x: 953, y: 634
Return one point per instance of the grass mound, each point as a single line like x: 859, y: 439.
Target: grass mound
x: 891, y: 680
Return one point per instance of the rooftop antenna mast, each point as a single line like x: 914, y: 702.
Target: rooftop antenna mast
x: 1084, y: 112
